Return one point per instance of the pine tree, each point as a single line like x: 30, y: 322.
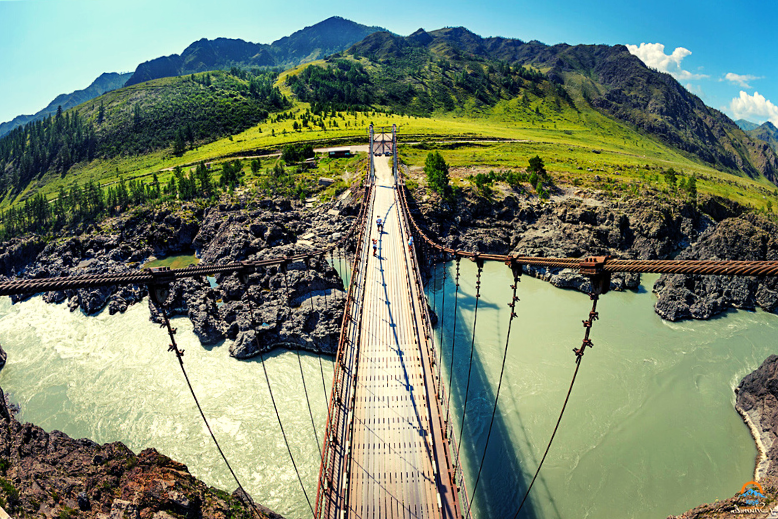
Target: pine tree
x: 536, y: 165
x: 136, y: 116
x: 179, y: 145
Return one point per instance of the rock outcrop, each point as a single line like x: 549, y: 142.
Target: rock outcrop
x: 757, y: 403
x: 51, y: 475
x: 585, y: 224
x: 747, y: 237
x: 229, y: 232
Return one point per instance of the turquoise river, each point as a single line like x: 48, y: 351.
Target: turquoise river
x: 650, y: 429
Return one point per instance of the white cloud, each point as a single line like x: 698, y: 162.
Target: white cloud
x: 653, y: 55
x: 738, y: 79
x: 754, y: 107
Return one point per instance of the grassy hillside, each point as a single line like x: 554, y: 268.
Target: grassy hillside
x: 592, y: 142
x: 430, y: 88
x: 619, y: 85
x: 170, y: 113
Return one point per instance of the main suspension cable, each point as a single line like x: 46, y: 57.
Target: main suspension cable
x: 579, y: 352
x: 180, y: 356
x: 516, y: 269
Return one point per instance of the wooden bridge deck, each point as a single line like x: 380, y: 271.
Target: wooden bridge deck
x: 398, y: 465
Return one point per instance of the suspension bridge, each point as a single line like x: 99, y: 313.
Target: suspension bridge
x: 389, y: 445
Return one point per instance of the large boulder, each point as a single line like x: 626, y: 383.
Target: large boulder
x: 747, y: 238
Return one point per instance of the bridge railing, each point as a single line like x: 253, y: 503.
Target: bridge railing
x: 415, y: 287
x: 334, y: 471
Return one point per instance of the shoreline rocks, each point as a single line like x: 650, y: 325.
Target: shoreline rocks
x: 51, y: 475
x: 747, y: 237
x: 228, y: 232
x: 757, y: 403
x: 578, y: 224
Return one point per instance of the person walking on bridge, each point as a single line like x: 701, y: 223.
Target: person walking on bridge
x: 410, y: 244
x: 380, y: 224
x: 375, y: 246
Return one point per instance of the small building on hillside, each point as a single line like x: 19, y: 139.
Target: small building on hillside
x: 340, y: 153
x: 308, y: 164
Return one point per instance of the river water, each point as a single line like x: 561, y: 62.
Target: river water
x: 650, y: 429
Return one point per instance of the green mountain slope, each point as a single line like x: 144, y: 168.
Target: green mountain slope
x: 453, y: 70
x: 609, y: 79
x: 767, y: 132
x: 136, y: 120
x: 104, y: 83
x: 410, y: 76
x: 585, y: 99
x: 311, y: 43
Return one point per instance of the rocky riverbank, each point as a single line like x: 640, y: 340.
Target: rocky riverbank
x: 51, y: 475
x: 579, y: 223
x: 301, y: 308
x: 757, y: 403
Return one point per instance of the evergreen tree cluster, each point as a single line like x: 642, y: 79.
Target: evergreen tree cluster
x: 343, y: 85
x: 436, y: 169
x: 232, y: 172
x: 417, y: 82
x: 282, y: 181
x: 90, y: 201
x: 296, y: 153
x: 79, y: 203
x: 54, y: 143
x: 173, y: 112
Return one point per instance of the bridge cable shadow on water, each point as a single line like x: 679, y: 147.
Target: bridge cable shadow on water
x: 158, y: 301
x: 598, y: 282
x: 502, y: 484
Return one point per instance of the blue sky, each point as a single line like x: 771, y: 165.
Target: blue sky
x: 722, y: 51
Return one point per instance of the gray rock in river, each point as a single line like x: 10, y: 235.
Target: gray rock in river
x: 748, y: 237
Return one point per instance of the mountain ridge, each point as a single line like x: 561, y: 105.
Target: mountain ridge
x: 105, y: 82
x: 766, y: 132
x: 308, y: 44
x: 746, y: 125
x: 612, y: 81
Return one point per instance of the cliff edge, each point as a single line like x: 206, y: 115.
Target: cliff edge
x: 54, y: 476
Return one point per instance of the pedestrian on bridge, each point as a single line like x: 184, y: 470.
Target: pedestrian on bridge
x: 375, y: 246
x: 380, y: 224
x: 410, y: 244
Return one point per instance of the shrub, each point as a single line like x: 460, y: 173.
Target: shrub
x: 436, y: 170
